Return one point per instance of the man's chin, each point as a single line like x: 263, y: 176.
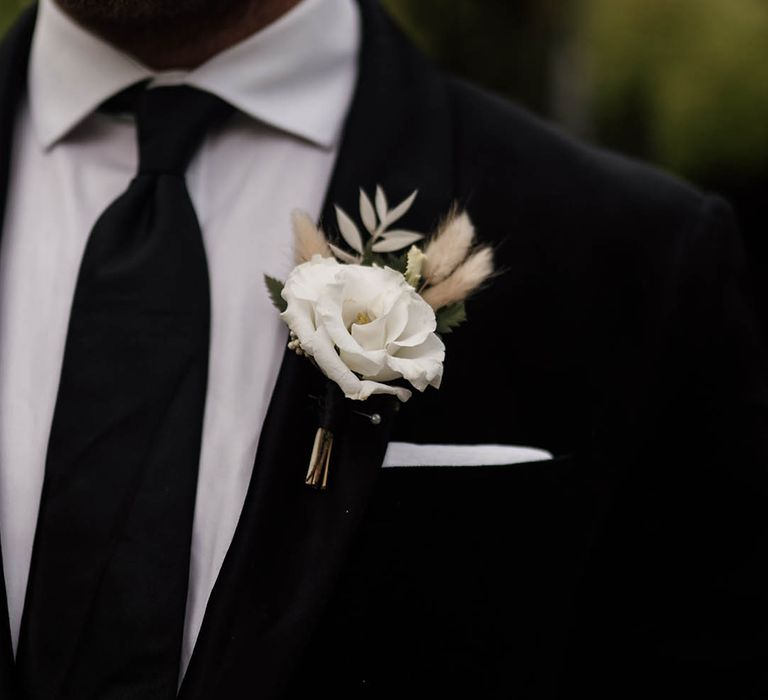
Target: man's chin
x: 146, y: 13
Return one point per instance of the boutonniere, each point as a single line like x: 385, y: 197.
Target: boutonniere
x: 368, y: 313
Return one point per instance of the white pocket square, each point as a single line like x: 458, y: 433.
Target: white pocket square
x: 406, y: 454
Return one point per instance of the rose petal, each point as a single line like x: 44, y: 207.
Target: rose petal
x: 372, y: 335
x: 329, y: 310
x: 397, y: 320
x: 324, y: 353
x: 422, y: 366
x: 300, y: 318
x: 368, y: 388
x: 364, y: 364
x: 421, y: 323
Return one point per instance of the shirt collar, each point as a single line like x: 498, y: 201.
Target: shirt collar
x: 297, y: 74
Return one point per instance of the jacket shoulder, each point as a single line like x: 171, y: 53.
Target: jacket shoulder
x: 505, y: 153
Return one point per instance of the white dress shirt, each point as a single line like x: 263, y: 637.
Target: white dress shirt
x: 292, y: 84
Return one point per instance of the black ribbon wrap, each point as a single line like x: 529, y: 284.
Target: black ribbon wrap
x: 330, y: 407
x: 329, y: 418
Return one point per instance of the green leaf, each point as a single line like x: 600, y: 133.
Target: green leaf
x: 399, y: 262
x: 369, y: 257
x: 275, y: 287
x: 451, y: 316
x: 396, y: 262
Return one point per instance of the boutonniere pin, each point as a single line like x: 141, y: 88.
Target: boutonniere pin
x: 369, y: 315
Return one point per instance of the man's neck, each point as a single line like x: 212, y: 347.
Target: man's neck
x: 192, y: 40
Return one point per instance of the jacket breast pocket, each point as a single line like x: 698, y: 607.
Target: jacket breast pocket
x: 467, y: 573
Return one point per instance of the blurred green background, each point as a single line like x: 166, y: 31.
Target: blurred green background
x: 8, y: 10
x: 683, y: 83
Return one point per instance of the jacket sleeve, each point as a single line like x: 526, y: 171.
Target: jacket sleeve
x: 723, y: 360
x: 700, y: 522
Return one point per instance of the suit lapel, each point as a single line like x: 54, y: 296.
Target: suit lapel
x: 14, y: 57
x: 291, y: 542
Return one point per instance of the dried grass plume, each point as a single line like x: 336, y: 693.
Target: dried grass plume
x: 467, y: 278
x: 308, y: 240
x: 448, y: 249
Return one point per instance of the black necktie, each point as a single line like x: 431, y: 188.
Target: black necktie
x: 105, y: 604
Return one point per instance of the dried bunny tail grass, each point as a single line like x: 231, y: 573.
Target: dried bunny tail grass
x: 467, y: 278
x: 308, y: 240
x: 448, y: 249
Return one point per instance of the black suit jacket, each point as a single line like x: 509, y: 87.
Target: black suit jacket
x: 618, y: 336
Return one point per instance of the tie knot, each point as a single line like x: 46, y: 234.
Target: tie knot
x: 171, y: 123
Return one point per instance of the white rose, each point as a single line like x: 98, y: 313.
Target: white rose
x: 363, y: 326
